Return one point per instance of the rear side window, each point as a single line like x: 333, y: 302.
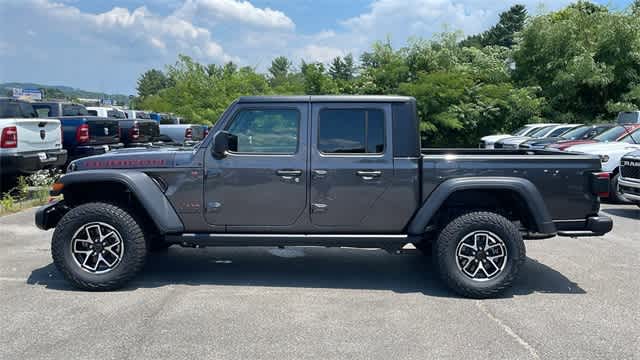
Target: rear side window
x: 266, y: 131
x: 351, y: 131
x: 16, y: 109
x: 115, y: 114
x: 93, y: 112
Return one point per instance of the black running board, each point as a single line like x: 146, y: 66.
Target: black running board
x: 334, y: 240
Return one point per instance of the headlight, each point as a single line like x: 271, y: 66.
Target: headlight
x: 604, y: 158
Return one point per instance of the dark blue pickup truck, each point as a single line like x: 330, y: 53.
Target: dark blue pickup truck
x: 83, y: 134
x: 322, y: 171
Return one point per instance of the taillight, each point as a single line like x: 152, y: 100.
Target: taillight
x: 82, y: 133
x: 9, y: 138
x: 134, y: 132
x: 601, y: 184
x: 188, y: 133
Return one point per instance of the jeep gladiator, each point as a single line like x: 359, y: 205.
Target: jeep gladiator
x: 342, y: 171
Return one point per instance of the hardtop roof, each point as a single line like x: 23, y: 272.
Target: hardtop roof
x: 326, y: 98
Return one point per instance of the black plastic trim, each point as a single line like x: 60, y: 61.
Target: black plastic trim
x: 523, y: 187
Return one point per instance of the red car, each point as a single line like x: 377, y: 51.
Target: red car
x: 613, y: 134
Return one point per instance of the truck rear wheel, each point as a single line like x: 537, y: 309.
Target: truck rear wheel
x: 479, y: 254
x: 98, y: 246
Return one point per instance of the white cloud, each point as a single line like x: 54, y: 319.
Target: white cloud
x: 235, y: 11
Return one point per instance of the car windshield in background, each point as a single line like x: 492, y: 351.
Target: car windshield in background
x: 115, y: 114
x: 633, y: 138
x: 16, y: 109
x: 611, y: 135
x: 521, y: 131
x: 74, y: 110
x: 538, y: 133
x: 576, y: 133
x: 628, y: 118
x: 561, y: 130
x: 142, y: 115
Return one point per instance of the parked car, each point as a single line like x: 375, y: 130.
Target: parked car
x: 583, y: 132
x: 163, y: 118
x: 541, y: 133
x: 628, y: 117
x: 614, y: 134
x: 184, y: 133
x: 487, y: 142
x: 138, y: 129
x: 629, y: 180
x: 83, y: 133
x: 107, y: 112
x: 27, y: 143
x: 322, y: 171
x: 610, y: 154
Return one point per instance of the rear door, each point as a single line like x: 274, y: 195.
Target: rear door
x: 351, y: 163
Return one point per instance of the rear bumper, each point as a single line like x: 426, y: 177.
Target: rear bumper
x: 591, y: 226
x: 90, y: 150
x: 30, y: 162
x: 630, y: 189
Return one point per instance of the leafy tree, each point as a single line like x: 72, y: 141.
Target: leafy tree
x: 280, y: 68
x: 151, y: 82
x: 342, y: 69
x: 503, y: 33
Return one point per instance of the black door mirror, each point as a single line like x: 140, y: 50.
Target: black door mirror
x: 223, y: 141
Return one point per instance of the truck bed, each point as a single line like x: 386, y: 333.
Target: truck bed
x: 562, y: 178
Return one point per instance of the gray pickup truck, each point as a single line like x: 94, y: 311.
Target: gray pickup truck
x: 341, y: 171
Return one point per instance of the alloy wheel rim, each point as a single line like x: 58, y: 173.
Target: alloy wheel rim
x: 97, y: 247
x: 481, y: 255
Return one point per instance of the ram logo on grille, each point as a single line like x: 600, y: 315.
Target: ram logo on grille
x: 631, y: 163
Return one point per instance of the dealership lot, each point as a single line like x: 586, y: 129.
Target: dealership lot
x: 576, y: 298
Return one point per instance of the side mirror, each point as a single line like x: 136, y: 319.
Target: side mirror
x: 223, y: 141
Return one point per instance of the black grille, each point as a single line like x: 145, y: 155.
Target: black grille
x: 632, y: 172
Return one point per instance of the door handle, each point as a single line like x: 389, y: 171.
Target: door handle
x: 369, y: 174
x: 288, y: 174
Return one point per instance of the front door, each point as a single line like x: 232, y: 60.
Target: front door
x: 263, y: 181
x: 351, y: 164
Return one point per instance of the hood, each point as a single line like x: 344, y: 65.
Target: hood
x: 514, y: 139
x: 133, y: 158
x: 604, y: 148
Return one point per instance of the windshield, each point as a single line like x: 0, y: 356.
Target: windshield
x: 541, y: 132
x: 577, y: 133
x: 17, y: 109
x: 633, y: 138
x: 632, y: 117
x: 560, y: 130
x: 611, y: 135
x: 521, y: 131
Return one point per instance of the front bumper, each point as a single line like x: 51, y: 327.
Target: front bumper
x: 30, y: 162
x: 630, y: 189
x: 591, y: 226
x: 47, y: 216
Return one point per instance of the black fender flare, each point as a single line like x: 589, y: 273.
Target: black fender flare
x: 143, y: 187
x: 523, y: 187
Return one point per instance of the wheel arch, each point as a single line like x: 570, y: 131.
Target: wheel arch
x: 135, y: 188
x: 475, y: 192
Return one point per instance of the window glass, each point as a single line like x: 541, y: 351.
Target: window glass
x: 612, y: 134
x: 267, y: 131
x: 521, y: 131
x: 16, y: 109
x: 74, y: 110
x: 559, y: 131
x: 351, y: 131
x: 632, y: 138
x: 577, y: 133
x: 115, y: 114
x: 93, y: 112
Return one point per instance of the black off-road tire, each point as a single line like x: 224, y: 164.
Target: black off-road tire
x: 133, y: 237
x: 445, y: 248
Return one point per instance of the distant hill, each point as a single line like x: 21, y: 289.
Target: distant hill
x: 67, y: 91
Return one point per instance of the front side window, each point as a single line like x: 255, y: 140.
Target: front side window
x: 632, y: 138
x: 351, y: 131
x: 266, y: 131
x: 74, y: 110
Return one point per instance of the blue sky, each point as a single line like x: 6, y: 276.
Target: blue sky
x: 105, y: 45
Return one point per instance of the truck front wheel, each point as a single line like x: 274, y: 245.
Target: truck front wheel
x: 479, y: 254
x: 98, y: 246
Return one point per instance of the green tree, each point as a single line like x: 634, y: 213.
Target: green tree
x: 151, y: 82
x: 503, y: 33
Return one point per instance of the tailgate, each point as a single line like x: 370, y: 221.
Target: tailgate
x: 103, y: 130
x: 38, y: 134
x: 149, y: 130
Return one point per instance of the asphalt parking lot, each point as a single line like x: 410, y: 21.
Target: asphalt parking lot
x: 576, y: 298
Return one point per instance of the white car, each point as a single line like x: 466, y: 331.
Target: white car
x: 107, y: 112
x: 610, y: 154
x: 28, y: 143
x: 487, y: 142
x: 539, y: 133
